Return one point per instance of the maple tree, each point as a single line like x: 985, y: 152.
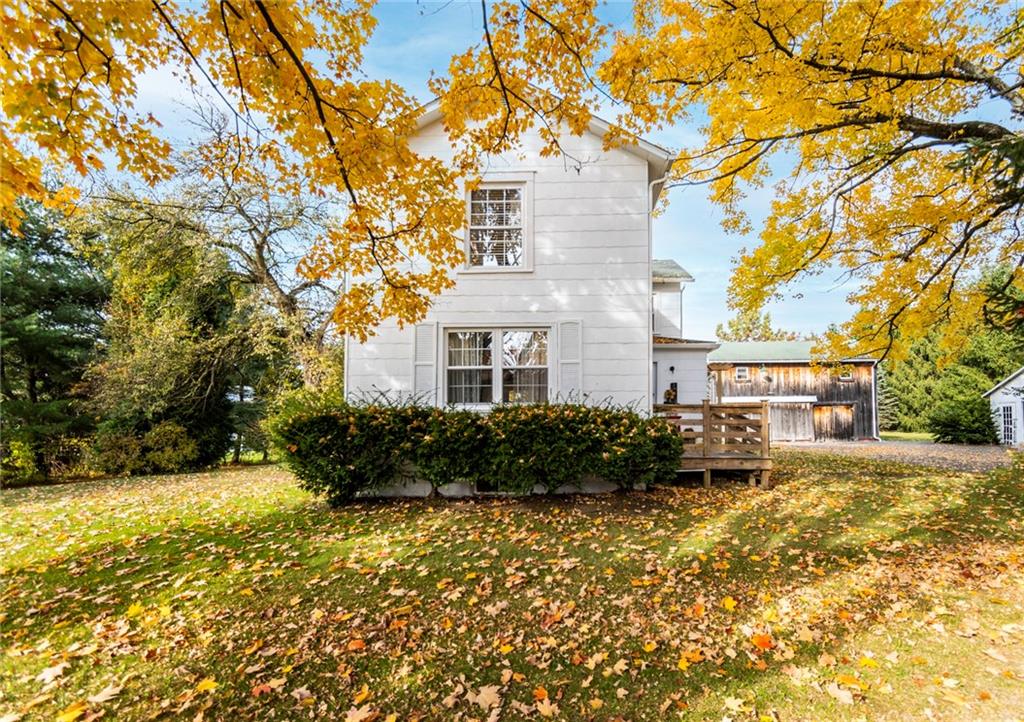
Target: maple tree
x: 900, y: 124
x: 291, y: 75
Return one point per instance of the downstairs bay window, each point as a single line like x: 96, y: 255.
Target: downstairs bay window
x: 488, y: 366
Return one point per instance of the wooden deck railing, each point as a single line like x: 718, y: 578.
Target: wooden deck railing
x: 722, y: 436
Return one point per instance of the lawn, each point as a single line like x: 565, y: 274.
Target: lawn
x: 853, y: 590
x: 906, y: 436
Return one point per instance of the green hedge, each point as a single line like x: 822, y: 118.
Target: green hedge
x: 338, y: 449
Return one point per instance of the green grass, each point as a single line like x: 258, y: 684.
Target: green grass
x: 875, y: 590
x: 906, y: 436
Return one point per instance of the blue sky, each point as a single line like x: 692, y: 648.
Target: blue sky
x: 414, y: 39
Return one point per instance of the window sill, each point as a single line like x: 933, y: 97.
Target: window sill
x: 493, y: 271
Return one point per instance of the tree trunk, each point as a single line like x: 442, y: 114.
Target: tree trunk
x: 38, y: 456
x: 238, y: 430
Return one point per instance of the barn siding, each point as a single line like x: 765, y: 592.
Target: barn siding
x: 591, y: 263
x: 801, y: 379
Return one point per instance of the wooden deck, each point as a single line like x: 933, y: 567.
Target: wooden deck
x: 728, y: 437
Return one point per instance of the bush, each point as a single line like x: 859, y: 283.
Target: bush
x: 116, y: 451
x: 338, y: 450
x: 166, y: 447
x: 541, y: 446
x: 452, y: 449
x: 964, y: 421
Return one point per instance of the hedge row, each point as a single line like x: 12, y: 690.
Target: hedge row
x: 339, y: 450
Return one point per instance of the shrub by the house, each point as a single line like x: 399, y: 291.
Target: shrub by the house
x: 339, y: 450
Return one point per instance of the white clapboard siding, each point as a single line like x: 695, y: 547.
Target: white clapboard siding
x: 590, y: 273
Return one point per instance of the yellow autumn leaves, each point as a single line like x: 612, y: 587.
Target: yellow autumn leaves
x: 70, y: 76
x: 886, y: 120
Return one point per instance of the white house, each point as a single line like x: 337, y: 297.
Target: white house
x: 1007, y: 400
x: 558, y: 299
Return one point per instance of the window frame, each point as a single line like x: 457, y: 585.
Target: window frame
x: 497, y: 362
x: 522, y: 181
x: 1007, y: 422
x: 746, y: 374
x: 845, y: 376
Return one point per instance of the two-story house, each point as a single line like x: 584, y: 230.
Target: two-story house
x: 558, y: 298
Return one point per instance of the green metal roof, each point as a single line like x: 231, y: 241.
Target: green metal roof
x: 765, y: 351
x: 667, y: 268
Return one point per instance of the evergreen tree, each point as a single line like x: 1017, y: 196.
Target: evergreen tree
x: 888, y: 402
x: 926, y: 379
x: 50, y: 321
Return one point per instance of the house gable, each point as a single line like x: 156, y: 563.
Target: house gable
x: 659, y: 160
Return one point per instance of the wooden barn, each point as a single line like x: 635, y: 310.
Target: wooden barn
x: 807, y: 402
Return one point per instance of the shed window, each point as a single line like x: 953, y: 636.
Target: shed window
x: 496, y: 227
x: 514, y: 372
x: 846, y: 376
x: 743, y: 373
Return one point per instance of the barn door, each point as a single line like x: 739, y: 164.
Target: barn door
x: 833, y: 421
x: 791, y: 422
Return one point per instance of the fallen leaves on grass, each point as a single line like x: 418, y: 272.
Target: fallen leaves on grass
x: 238, y: 596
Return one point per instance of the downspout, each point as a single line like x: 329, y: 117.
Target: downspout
x: 650, y: 290
x: 874, y: 401
x: 344, y: 348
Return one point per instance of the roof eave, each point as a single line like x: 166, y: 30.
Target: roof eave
x: 688, y: 346
x: 1003, y: 383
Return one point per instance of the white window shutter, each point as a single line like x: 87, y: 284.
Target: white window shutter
x: 425, y: 364
x: 570, y: 360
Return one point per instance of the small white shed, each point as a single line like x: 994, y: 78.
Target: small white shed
x: 1007, y: 400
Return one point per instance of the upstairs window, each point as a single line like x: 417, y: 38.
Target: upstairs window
x: 496, y: 227
x: 743, y: 373
x: 846, y: 375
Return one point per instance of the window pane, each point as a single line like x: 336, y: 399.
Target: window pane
x: 489, y: 247
x: 470, y: 386
x: 524, y: 348
x: 469, y: 348
x: 524, y: 385
x: 501, y: 215
x: 496, y: 227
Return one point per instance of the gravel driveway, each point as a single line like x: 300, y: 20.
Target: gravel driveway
x: 946, y: 456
